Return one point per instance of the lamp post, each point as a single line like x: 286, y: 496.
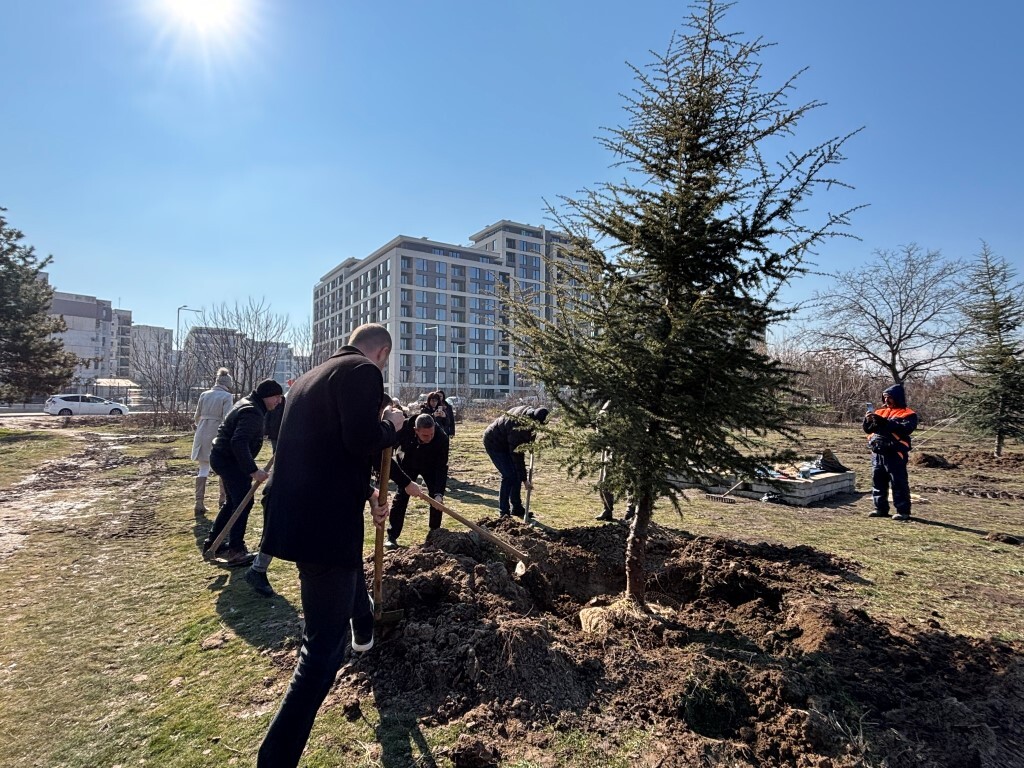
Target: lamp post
x: 437, y: 351
x: 177, y: 359
x: 455, y: 356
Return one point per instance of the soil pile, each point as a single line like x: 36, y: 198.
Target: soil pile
x: 748, y: 655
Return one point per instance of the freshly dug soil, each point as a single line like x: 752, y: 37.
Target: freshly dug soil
x: 747, y: 655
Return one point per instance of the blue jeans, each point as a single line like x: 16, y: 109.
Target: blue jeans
x: 509, y: 493
x: 331, y: 595
x: 890, y: 468
x: 236, y: 485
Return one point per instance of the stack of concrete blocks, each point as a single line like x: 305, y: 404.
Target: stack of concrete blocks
x: 801, y: 493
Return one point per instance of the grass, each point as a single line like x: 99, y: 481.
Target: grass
x: 22, y: 452
x: 120, y: 646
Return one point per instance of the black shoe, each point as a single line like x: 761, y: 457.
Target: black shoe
x: 901, y: 517
x: 362, y: 631
x: 390, y: 543
x: 258, y: 581
x: 605, y: 517
x: 876, y: 513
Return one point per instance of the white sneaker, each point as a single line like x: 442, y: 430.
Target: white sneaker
x: 362, y: 631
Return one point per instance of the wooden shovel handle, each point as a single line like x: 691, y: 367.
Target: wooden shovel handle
x: 378, y: 534
x: 497, y: 541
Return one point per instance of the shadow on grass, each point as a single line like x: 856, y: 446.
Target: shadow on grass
x: 397, y: 733
x: 263, y: 622
x: 954, y: 527
x: 470, y: 492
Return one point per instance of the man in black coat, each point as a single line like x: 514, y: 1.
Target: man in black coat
x: 424, y: 451
x: 331, y: 434
x: 502, y: 438
x: 233, y: 457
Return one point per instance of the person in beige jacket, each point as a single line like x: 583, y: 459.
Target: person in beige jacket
x: 214, y: 405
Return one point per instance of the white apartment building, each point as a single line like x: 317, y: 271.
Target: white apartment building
x: 439, y: 302
x: 88, y: 335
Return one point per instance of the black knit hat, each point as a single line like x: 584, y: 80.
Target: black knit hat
x: 268, y: 388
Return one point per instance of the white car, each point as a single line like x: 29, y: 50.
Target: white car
x: 80, y: 405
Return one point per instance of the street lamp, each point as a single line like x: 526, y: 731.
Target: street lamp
x: 177, y: 359
x: 455, y: 357
x: 437, y: 350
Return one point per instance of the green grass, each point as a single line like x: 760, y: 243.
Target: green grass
x: 21, y: 452
x: 120, y: 646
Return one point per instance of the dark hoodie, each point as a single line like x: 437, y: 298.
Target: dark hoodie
x: 512, y: 429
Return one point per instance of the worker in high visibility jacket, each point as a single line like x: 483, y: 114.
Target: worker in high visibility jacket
x: 889, y: 429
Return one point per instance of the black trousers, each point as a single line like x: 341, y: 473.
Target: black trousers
x: 396, y: 518
x: 236, y: 486
x: 331, y: 596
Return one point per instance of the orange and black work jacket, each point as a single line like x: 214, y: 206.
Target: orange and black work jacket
x: 896, y: 423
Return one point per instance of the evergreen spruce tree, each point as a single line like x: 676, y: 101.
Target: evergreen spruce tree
x: 31, y: 362
x: 670, y: 279
x: 994, y: 314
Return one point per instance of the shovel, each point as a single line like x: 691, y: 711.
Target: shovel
x: 379, y: 615
x: 529, y: 477
x: 497, y: 541
x: 237, y: 513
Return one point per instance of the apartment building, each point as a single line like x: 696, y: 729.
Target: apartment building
x: 88, y: 335
x: 152, y: 352
x: 439, y: 301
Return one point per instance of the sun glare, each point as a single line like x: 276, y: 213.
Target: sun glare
x: 206, y: 17
x: 217, y: 36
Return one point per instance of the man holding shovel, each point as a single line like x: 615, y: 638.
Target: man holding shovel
x: 513, y: 429
x: 424, y: 447
x: 331, y: 434
x: 233, y: 457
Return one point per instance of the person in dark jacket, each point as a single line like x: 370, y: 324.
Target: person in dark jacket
x: 272, y: 424
x: 233, y: 457
x: 889, y: 431
x: 449, y: 424
x: 501, y: 439
x: 331, y: 435
x: 256, y: 576
x: 436, y: 410
x: 424, y: 451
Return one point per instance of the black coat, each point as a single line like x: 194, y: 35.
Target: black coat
x: 427, y: 459
x: 508, y: 432
x: 240, y: 436
x: 330, y: 436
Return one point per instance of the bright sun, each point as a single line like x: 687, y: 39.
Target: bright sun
x: 206, y: 18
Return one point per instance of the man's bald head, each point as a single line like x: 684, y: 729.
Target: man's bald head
x: 372, y: 340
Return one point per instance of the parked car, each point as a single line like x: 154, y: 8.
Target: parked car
x: 82, y: 405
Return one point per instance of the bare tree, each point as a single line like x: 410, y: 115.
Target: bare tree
x: 247, y: 339
x: 309, y: 346
x: 833, y: 387
x: 898, y: 317
x: 152, y: 367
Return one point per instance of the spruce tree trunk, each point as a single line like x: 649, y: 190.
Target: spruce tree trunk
x: 636, y: 550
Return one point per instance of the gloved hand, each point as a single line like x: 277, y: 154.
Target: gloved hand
x: 439, y: 498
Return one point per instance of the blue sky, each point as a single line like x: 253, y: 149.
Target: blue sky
x: 161, y: 166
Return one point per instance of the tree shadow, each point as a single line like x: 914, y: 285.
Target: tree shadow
x: 915, y: 518
x: 470, y: 492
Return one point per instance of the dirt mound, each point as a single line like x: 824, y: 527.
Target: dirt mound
x: 747, y: 655
x: 1012, y: 462
x: 932, y: 460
